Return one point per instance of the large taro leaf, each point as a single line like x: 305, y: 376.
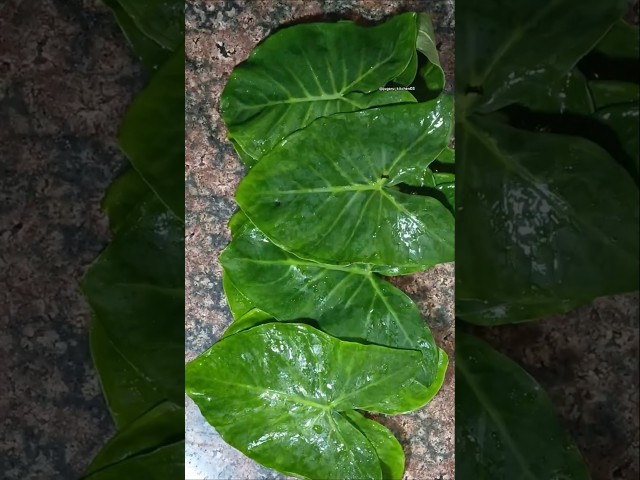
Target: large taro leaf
x: 313, y: 70
x: 506, y: 425
x: 515, y: 50
x: 138, y: 300
x: 151, y: 137
x: 162, y: 425
x: 276, y: 392
x: 551, y: 222
x: 330, y: 192
x: 347, y: 302
x: 150, y: 52
x: 160, y: 20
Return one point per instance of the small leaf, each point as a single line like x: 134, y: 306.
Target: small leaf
x: 328, y: 193
x: 621, y: 41
x: 506, y: 425
x: 607, y: 93
x: 161, y: 21
x: 432, y: 72
x: 275, y: 392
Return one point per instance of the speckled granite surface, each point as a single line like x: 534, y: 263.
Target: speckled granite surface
x: 587, y: 360
x: 66, y: 77
x: 221, y: 34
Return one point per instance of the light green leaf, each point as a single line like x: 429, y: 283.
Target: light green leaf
x: 506, y: 425
x: 275, y: 392
x: 313, y: 70
x: 151, y: 137
x: 538, y: 223
x: 432, y: 72
x: 513, y: 50
x: 329, y: 192
x: 239, y: 305
x: 346, y: 302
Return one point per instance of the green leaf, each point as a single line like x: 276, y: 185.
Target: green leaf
x: 346, y: 302
x: 506, y: 426
x: 159, y: 464
x: 447, y: 156
x: 127, y: 392
x: 153, y: 139
x: 328, y: 193
x: 621, y: 41
x: 432, y: 72
x: 160, y: 426
x: 313, y: 70
x: 162, y: 21
x: 607, y: 93
x: 275, y: 392
x: 239, y: 305
x: 513, y: 50
x: 151, y: 53
x: 250, y: 319
x: 124, y: 196
x: 552, y: 222
x: 624, y: 121
x: 569, y: 94
x: 139, y: 300
x: 387, y: 447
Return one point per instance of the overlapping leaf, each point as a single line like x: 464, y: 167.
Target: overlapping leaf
x: 506, y: 426
x: 538, y: 222
x: 346, y: 302
x: 330, y: 192
x: 160, y: 21
x: 277, y: 392
x: 313, y: 70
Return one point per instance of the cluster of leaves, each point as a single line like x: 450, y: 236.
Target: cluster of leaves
x: 137, y: 327
x: 547, y: 207
x: 348, y: 182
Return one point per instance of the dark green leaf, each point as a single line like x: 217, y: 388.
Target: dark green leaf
x: 275, y: 392
x: 160, y: 426
x: 506, y: 426
x: 432, y: 72
x: 329, y: 191
x: 313, y: 70
x: 151, y: 53
x: 387, y: 447
x: 624, y: 121
x: 569, y: 94
x: 162, y: 21
x: 552, y: 222
x: 607, y: 93
x: 153, y: 139
x: 513, y: 50
x: 346, y: 302
x: 124, y: 196
x: 621, y: 41
x: 127, y: 392
x: 139, y: 300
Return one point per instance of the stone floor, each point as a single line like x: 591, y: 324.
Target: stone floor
x: 219, y: 35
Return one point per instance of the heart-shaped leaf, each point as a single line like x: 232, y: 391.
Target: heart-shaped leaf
x: 313, y: 70
x: 506, y: 425
x: 329, y: 192
x: 346, y: 302
x: 276, y: 393
x: 538, y: 222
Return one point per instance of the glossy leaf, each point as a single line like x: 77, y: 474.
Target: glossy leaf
x: 161, y: 425
x: 275, y: 392
x: 139, y: 300
x: 127, y: 392
x: 432, y: 72
x: 569, y: 94
x: 623, y: 119
x: 238, y: 304
x: 346, y: 302
x: 150, y: 52
x: 328, y: 192
x: 543, y: 234
x: 607, y: 93
x: 313, y: 70
x: 151, y: 137
x: 621, y: 41
x: 387, y: 447
x: 506, y: 426
x: 162, y: 21
x: 250, y: 319
x: 506, y: 56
